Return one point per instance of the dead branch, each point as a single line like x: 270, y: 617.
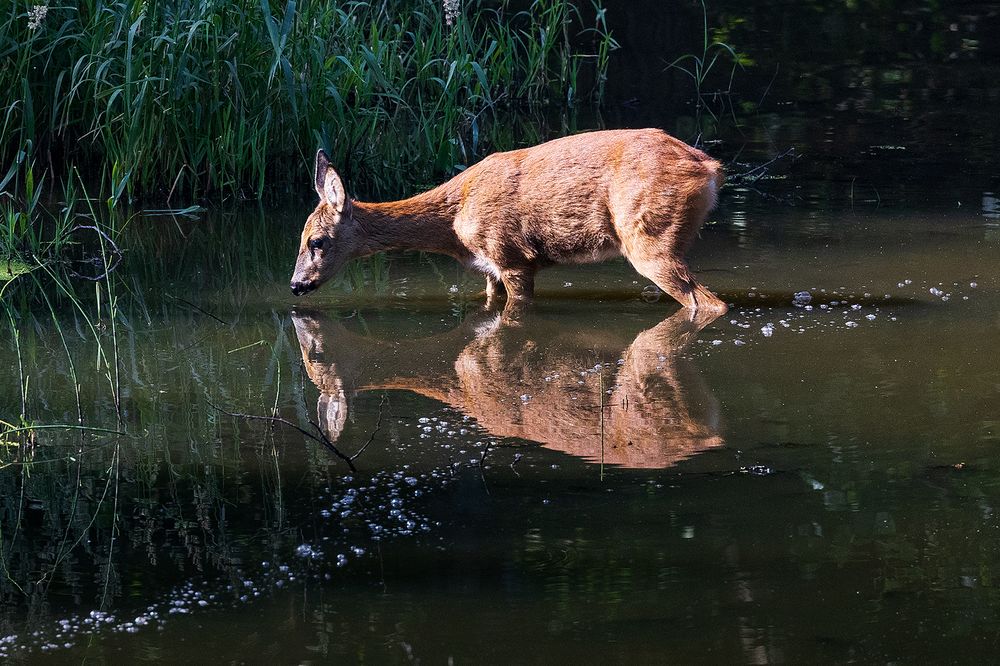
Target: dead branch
x: 321, y: 439
x: 378, y: 426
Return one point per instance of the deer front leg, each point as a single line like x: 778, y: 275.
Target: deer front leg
x: 520, y: 286
x: 519, y: 283
x: 494, y: 290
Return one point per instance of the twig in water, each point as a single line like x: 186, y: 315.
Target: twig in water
x: 601, y: 390
x: 114, y: 525
x: 787, y: 199
x: 768, y: 88
x: 378, y: 426
x: 762, y: 167
x: 57, y: 426
x: 322, y: 438
x: 517, y: 459
x: 114, y: 248
x: 203, y: 311
x: 482, y: 458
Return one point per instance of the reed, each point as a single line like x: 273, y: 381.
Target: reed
x: 168, y: 102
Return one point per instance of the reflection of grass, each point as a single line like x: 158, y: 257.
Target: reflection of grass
x: 97, y: 498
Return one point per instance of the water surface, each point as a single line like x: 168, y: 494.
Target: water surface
x: 602, y: 477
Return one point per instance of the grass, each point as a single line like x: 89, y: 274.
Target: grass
x: 173, y: 102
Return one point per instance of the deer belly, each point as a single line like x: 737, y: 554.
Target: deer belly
x: 550, y: 253
x: 590, y: 251
x: 596, y: 255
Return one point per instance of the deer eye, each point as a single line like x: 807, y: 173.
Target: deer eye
x: 316, y: 243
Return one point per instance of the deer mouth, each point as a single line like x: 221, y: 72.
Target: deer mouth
x: 302, y: 288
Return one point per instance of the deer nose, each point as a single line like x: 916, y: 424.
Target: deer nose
x: 299, y: 288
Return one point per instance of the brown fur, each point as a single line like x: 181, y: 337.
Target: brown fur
x: 638, y: 193
x: 658, y: 413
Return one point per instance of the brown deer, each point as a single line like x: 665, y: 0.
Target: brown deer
x: 535, y: 380
x: 579, y: 199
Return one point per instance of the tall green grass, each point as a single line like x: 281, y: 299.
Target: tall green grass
x: 173, y: 101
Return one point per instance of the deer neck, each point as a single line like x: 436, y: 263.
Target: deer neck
x: 424, y: 222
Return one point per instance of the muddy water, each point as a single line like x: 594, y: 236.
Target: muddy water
x: 811, y: 477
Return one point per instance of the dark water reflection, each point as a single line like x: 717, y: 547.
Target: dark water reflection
x: 882, y: 102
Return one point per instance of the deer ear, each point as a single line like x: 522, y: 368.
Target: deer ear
x: 333, y: 191
x: 329, y: 187
x: 322, y: 164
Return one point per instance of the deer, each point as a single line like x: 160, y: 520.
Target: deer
x: 586, y: 198
x: 535, y: 380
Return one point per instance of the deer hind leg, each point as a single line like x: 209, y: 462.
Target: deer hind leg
x: 661, y: 258
x: 672, y: 275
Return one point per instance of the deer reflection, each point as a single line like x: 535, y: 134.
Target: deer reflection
x: 589, y: 393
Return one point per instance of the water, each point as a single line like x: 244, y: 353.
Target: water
x: 811, y: 477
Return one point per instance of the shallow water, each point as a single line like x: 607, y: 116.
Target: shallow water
x: 811, y: 477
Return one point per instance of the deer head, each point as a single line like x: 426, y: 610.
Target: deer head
x: 331, y: 235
